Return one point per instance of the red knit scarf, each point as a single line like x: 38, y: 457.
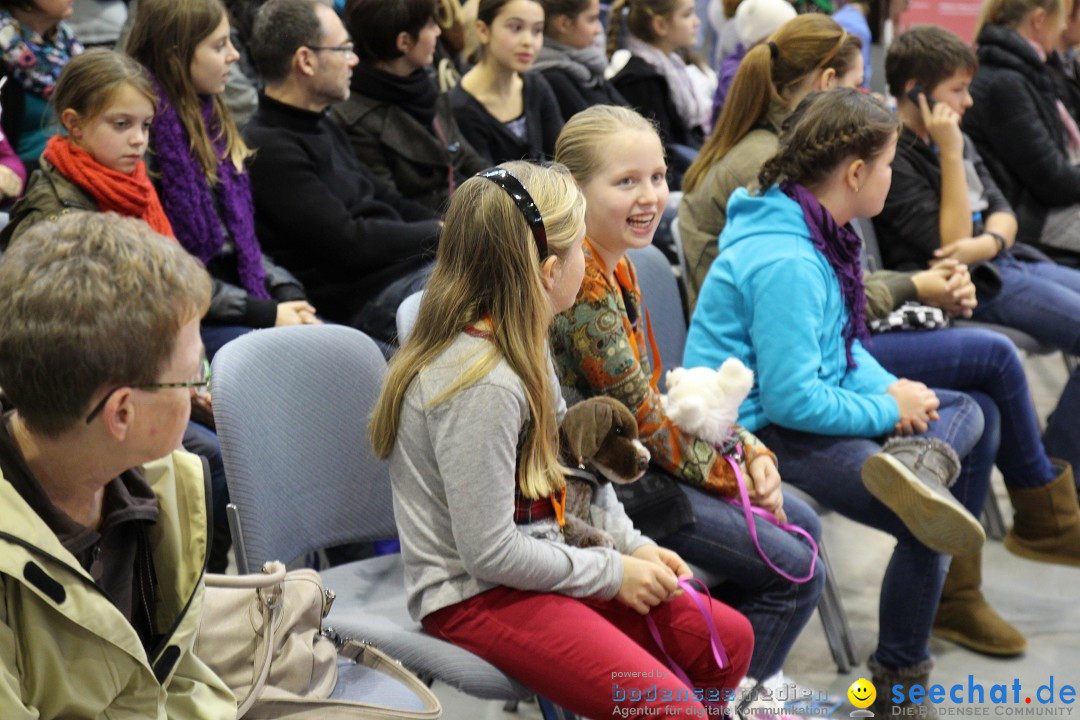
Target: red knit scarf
x: 129, y: 195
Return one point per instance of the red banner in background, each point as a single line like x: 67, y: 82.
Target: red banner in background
x: 956, y: 15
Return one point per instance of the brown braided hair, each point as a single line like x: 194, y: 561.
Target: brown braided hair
x: 826, y: 129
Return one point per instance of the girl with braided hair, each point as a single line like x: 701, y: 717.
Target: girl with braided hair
x: 786, y: 297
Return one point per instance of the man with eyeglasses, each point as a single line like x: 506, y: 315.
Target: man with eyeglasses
x: 103, y: 521
x: 358, y: 246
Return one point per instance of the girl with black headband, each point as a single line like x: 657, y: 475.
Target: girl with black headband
x: 468, y: 417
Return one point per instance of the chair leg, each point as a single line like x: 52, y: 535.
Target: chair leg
x: 992, y: 519
x: 510, y: 706
x: 834, y: 619
x: 551, y: 711
x: 1071, y: 362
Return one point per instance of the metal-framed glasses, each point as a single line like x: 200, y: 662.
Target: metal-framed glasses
x: 347, y: 48
x: 200, y: 385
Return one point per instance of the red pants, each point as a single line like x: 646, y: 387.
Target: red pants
x: 594, y: 657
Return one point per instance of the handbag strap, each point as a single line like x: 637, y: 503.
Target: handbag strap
x: 719, y: 654
x: 370, y: 657
x: 273, y: 573
x: 750, y: 511
x: 272, y: 577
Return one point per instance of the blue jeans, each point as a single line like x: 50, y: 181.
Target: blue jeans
x: 985, y: 365
x: 829, y: 468
x: 719, y: 542
x: 1043, y: 300
x: 378, y: 317
x: 215, y: 336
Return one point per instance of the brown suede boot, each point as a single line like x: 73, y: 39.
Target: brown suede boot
x: 884, y: 680
x: 965, y: 618
x: 1046, y: 525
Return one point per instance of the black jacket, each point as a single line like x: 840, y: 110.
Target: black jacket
x: 1017, y: 128
x: 574, y: 97
x: 49, y: 195
x: 907, y: 229
x: 493, y: 141
x: 327, y: 218
x: 1065, y: 74
x: 646, y: 90
x: 400, y: 150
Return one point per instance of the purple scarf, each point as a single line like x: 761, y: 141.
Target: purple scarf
x: 189, y: 201
x: 841, y: 247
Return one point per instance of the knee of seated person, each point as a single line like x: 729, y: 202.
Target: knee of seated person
x: 961, y: 404
x: 738, y: 642
x: 801, y: 514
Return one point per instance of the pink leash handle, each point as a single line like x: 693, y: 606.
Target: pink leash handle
x: 750, y: 511
x: 719, y: 654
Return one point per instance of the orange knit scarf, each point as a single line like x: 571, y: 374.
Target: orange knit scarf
x: 130, y: 195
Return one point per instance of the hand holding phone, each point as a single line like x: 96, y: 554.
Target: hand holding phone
x: 915, y: 92
x: 941, y: 121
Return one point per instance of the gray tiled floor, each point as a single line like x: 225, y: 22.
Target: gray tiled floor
x: 1041, y: 600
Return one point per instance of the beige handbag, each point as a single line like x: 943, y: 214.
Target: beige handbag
x: 262, y: 634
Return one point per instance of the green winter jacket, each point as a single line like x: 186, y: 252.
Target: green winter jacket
x: 48, y: 196
x: 67, y: 652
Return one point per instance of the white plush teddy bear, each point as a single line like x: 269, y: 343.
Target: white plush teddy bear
x: 705, y: 402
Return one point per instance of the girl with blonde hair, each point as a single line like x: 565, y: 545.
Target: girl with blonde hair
x: 468, y: 416
x: 601, y: 348
x: 198, y: 158
x: 809, y: 52
x: 1020, y: 127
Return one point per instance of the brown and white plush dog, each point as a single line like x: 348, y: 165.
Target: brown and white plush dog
x: 599, y: 444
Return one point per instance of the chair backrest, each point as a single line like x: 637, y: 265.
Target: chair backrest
x: 406, y: 315
x: 660, y: 291
x: 292, y: 406
x: 864, y: 227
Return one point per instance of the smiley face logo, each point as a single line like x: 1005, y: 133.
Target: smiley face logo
x: 861, y: 693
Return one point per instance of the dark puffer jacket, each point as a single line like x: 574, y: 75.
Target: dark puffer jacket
x: 1017, y: 129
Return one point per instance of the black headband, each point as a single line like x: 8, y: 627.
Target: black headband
x: 524, y: 202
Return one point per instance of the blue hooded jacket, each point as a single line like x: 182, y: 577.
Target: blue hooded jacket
x: 772, y: 300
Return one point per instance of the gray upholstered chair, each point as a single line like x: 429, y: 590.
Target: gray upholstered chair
x: 660, y: 292
x: 406, y: 315
x: 292, y: 407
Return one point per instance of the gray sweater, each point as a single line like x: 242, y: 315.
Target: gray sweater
x: 453, y: 474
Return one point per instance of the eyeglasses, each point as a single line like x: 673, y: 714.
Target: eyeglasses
x: 524, y: 202
x: 200, y: 384
x: 347, y: 48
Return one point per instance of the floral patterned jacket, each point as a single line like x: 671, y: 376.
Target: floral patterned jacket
x: 601, y: 347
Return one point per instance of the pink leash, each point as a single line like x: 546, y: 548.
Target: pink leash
x: 719, y: 654
x: 749, y: 510
x: 687, y: 583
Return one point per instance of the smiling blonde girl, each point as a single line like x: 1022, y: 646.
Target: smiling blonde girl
x: 602, y: 347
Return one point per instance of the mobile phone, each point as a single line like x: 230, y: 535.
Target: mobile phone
x: 915, y: 92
